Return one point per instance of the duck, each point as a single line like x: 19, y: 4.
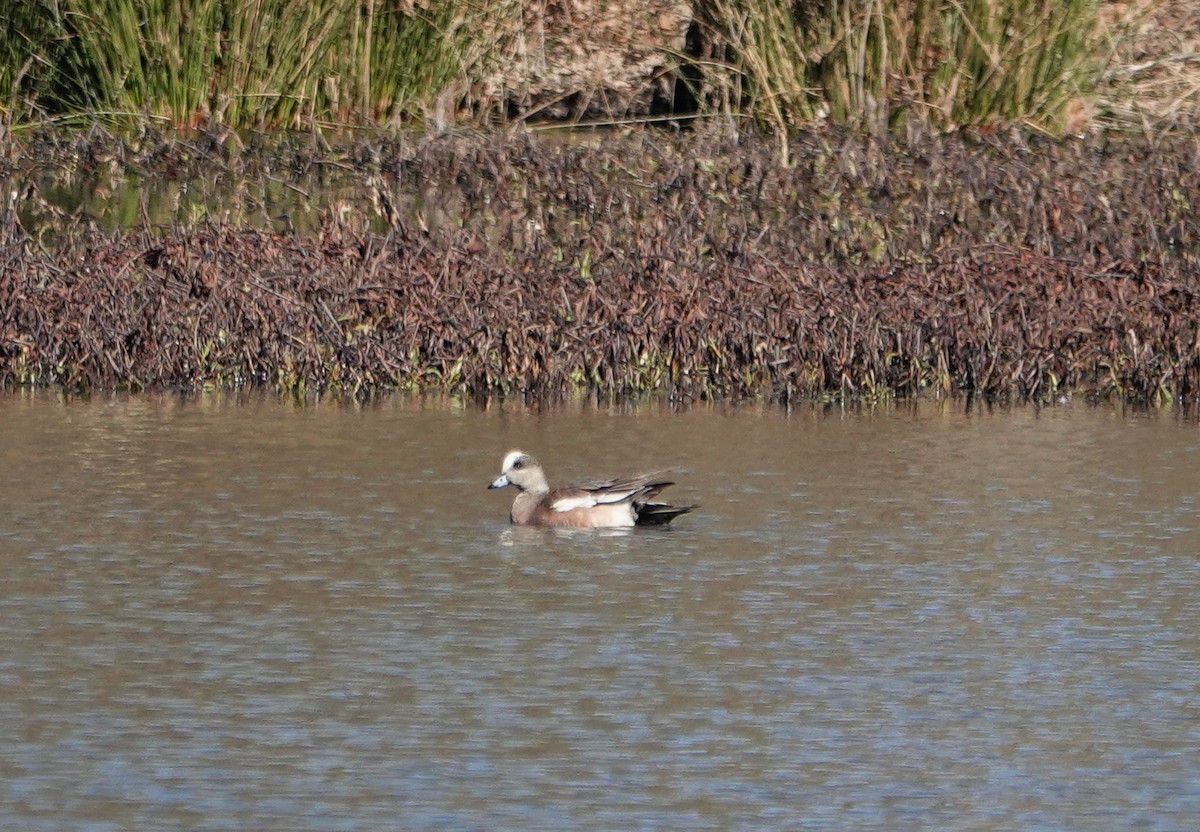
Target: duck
x: 623, y: 502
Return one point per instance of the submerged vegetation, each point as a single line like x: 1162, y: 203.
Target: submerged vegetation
x: 302, y: 63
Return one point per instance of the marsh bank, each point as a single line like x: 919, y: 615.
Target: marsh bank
x: 692, y: 264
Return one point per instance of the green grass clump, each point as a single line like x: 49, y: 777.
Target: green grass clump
x: 254, y: 63
x: 30, y: 51
x: 274, y: 57
x: 405, y: 63
x: 943, y: 62
x: 145, y: 57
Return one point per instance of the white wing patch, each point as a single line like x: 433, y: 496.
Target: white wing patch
x: 591, y: 499
x: 572, y: 503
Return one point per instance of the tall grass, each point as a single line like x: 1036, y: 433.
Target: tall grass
x: 259, y: 63
x: 274, y: 58
x: 289, y: 63
x: 405, y: 60
x: 16, y: 55
x: 32, y: 56
x: 880, y: 62
x: 152, y: 57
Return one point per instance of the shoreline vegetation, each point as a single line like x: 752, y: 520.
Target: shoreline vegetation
x: 1057, y: 65
x: 1003, y: 265
x: 972, y: 197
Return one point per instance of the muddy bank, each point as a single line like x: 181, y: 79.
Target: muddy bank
x: 1008, y: 267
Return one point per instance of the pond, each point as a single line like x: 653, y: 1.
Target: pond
x: 239, y: 612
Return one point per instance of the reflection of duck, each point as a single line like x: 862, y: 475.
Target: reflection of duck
x: 620, y: 502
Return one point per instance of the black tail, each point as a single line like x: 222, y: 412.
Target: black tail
x: 659, y: 514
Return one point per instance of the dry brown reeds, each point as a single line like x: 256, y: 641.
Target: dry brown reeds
x: 647, y: 264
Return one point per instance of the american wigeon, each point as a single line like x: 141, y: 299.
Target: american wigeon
x: 621, y: 502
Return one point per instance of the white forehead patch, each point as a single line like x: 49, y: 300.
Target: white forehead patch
x: 512, y: 457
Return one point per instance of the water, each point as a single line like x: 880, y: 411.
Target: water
x: 129, y: 201
x: 235, y: 613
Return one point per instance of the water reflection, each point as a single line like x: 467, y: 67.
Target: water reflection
x: 286, y: 201
x: 236, y: 612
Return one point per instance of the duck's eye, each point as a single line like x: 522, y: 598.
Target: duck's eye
x: 520, y: 463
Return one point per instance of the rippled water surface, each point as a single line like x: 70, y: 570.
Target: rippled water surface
x: 224, y: 613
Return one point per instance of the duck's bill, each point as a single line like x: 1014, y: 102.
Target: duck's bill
x: 499, y: 482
